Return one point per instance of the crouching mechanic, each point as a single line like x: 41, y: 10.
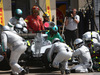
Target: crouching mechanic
x: 83, y: 53
x: 63, y: 55
x: 17, y: 46
x: 92, y: 40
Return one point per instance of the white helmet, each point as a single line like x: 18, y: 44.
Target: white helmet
x: 6, y: 28
x: 86, y: 37
x: 55, y: 40
x: 25, y: 30
x: 19, y: 26
x: 78, y: 43
x: 87, y: 40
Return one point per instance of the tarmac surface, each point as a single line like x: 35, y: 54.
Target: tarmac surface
x: 42, y: 71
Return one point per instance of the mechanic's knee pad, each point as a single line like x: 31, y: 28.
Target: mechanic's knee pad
x: 12, y: 63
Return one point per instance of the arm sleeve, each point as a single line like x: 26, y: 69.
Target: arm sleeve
x: 98, y: 37
x: 4, y: 42
x: 76, y: 52
x: 26, y: 19
x: 10, y: 23
x: 78, y: 17
x: 50, y: 53
x: 61, y: 39
x: 42, y: 26
x: 27, y: 23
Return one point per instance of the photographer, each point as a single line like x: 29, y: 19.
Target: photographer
x: 71, y: 22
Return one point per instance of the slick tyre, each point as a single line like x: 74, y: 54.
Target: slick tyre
x: 45, y: 60
x: 4, y: 65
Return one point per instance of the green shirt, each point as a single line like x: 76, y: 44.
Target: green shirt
x: 55, y: 36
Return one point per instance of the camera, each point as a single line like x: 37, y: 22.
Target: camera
x: 68, y: 13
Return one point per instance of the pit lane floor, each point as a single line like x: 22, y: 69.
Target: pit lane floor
x: 42, y: 71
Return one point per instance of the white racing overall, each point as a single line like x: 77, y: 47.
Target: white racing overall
x: 63, y: 54
x: 17, y: 23
x: 85, y: 59
x: 95, y: 39
x: 17, y: 46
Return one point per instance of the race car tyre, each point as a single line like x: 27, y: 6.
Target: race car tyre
x: 4, y: 64
x: 47, y: 64
x: 45, y: 59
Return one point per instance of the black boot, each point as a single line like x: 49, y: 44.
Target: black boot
x: 61, y: 68
x: 90, y: 70
x: 62, y: 71
x: 67, y: 71
x: 13, y: 74
x: 22, y: 72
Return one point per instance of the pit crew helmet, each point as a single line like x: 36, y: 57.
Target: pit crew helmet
x: 6, y: 28
x: 18, y: 13
x: 35, y: 8
x: 25, y: 30
x: 78, y: 43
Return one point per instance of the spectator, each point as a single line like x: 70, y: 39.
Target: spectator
x: 71, y: 23
x: 34, y: 22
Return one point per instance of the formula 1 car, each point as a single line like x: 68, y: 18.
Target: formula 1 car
x: 36, y: 54
x: 36, y: 51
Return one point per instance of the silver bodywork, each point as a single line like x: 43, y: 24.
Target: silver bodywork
x: 40, y: 44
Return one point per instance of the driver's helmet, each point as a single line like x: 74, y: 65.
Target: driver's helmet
x: 78, y: 43
x: 49, y: 25
x: 18, y: 13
